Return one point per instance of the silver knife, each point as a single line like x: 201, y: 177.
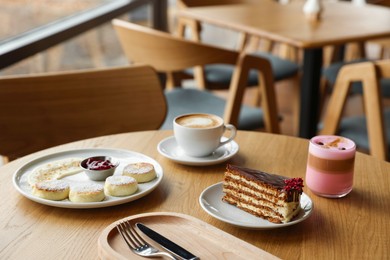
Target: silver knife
x: 166, y: 243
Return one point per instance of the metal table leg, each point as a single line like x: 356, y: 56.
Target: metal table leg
x: 310, y: 92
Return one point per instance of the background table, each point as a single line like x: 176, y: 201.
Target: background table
x: 341, y: 22
x: 354, y: 227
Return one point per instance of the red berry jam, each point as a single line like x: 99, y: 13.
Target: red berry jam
x: 96, y: 164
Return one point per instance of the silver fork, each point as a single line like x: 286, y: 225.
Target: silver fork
x: 137, y: 244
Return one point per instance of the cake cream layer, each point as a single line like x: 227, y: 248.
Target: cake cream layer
x: 261, y: 211
x: 259, y: 205
x: 254, y: 197
x: 262, y: 191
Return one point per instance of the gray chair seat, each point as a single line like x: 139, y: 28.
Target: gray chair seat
x: 187, y: 100
x: 330, y: 73
x: 219, y: 75
x: 355, y: 128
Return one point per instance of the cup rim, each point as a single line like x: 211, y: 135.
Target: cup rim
x: 222, y: 123
x: 317, y: 146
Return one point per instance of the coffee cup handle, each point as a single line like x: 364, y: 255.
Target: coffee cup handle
x: 233, y: 132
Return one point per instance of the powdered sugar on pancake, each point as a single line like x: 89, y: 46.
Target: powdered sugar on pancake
x: 55, y: 170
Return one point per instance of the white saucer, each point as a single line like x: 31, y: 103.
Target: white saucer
x: 170, y: 149
x: 211, y: 201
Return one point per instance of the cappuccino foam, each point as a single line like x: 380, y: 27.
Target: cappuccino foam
x: 198, y: 121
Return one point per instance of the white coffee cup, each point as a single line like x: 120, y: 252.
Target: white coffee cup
x: 199, y: 135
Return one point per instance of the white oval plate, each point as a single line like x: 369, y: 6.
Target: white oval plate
x: 211, y: 201
x: 123, y: 156
x: 170, y: 149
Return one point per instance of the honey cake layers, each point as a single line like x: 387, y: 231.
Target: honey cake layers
x: 272, y: 197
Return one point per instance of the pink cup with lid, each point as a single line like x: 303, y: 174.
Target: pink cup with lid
x: 330, y: 166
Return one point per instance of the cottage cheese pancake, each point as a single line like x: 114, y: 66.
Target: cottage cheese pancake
x: 87, y: 192
x: 51, y: 190
x: 119, y: 186
x: 55, y: 170
x: 142, y: 171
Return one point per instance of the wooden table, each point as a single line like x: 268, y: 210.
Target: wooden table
x: 354, y: 227
x: 341, y: 22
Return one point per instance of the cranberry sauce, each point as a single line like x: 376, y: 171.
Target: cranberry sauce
x: 99, y: 164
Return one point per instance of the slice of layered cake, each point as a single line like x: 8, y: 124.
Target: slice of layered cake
x: 269, y: 196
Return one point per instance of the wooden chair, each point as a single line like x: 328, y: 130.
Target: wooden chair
x: 330, y: 75
x: 40, y: 111
x: 169, y: 54
x: 354, y: 53
x: 369, y: 132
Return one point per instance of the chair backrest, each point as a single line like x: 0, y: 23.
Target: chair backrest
x: 369, y: 73
x: 41, y: 111
x: 167, y: 53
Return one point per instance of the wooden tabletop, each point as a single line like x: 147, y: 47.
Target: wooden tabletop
x: 341, y: 21
x: 354, y: 227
